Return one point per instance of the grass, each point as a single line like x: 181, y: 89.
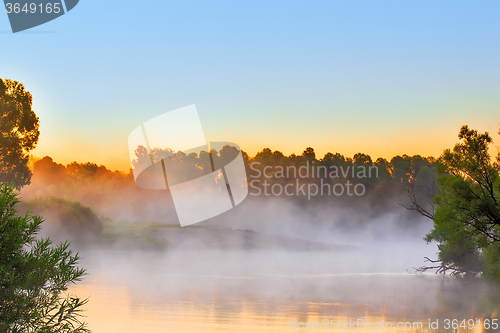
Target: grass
x: 133, y: 235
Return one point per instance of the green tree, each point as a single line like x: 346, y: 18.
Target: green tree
x: 467, y: 217
x: 34, y: 276
x: 18, y: 132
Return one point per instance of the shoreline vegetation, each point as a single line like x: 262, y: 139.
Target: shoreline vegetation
x: 86, y: 201
x: 435, y: 188
x: 115, y: 195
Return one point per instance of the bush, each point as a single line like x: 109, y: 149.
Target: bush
x: 33, y: 275
x: 74, y: 220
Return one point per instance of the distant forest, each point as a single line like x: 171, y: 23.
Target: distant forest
x: 115, y: 193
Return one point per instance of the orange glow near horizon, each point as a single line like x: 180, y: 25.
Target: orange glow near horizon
x: 115, y: 155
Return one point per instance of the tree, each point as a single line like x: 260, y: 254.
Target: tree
x: 309, y: 154
x: 467, y: 217
x: 18, y: 133
x: 34, y: 275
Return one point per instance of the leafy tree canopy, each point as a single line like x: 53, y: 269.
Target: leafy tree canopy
x: 18, y: 132
x: 467, y: 218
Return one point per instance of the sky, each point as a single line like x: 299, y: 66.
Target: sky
x: 379, y: 77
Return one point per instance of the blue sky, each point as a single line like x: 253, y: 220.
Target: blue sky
x: 380, y: 77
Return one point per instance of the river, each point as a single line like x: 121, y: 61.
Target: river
x: 224, y: 291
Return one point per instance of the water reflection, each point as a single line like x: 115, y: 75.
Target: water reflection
x: 158, y: 294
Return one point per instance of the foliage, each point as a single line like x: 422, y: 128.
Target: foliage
x: 491, y: 259
x: 115, y: 195
x: 18, y: 133
x: 467, y: 219
x: 76, y: 219
x: 139, y: 235
x: 34, y: 275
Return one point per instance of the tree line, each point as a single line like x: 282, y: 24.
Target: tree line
x: 459, y: 190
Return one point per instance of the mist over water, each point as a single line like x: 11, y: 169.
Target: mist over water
x: 258, y: 266
x: 257, y: 291
x: 205, y: 282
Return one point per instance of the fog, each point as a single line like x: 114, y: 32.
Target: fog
x: 269, y: 260
x: 372, y: 271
